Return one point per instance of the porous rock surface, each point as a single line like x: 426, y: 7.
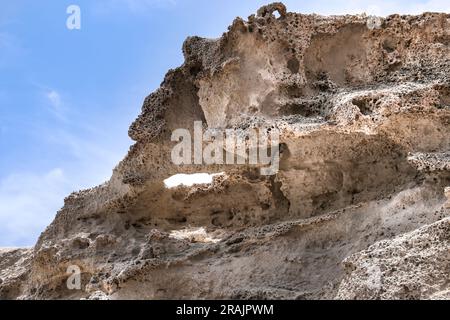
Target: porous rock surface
x: 358, y: 210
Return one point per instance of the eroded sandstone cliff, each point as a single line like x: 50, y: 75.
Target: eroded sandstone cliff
x: 358, y: 210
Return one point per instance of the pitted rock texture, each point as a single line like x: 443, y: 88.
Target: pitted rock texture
x: 411, y: 266
x: 358, y: 210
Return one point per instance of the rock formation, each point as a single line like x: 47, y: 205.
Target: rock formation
x: 358, y: 210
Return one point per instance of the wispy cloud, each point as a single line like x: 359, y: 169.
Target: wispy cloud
x: 431, y: 5
x: 56, y: 105
x: 95, y: 158
x: 384, y: 7
x: 373, y: 7
x: 28, y: 203
x: 29, y: 200
x: 54, y: 98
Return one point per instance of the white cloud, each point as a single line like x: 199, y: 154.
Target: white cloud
x: 371, y: 7
x: 94, y: 158
x: 57, y: 106
x: 86, y: 156
x: 54, y: 98
x: 431, y: 5
x: 28, y: 203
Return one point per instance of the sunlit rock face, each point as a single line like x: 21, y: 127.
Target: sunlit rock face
x: 358, y: 209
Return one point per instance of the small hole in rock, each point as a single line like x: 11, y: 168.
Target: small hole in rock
x: 293, y: 65
x: 389, y: 45
x: 363, y: 106
x: 188, y: 180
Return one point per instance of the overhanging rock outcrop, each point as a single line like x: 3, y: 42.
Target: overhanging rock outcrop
x: 362, y: 105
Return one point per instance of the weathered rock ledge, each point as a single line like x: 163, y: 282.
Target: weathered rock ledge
x: 357, y: 210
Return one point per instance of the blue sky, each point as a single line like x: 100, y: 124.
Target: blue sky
x: 67, y: 97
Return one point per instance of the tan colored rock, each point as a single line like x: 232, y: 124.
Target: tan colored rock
x: 447, y: 194
x: 411, y: 266
x: 362, y: 107
x: 14, y: 265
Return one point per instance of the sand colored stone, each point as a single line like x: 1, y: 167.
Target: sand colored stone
x: 357, y: 210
